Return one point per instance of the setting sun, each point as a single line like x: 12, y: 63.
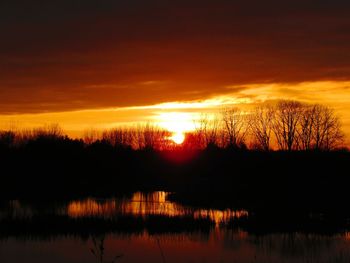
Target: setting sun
x: 178, y: 123
x: 178, y: 137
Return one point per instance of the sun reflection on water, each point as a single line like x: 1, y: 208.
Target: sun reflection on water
x: 143, y: 205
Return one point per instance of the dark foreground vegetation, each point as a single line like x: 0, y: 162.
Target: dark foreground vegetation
x: 214, y: 167
x: 64, y: 168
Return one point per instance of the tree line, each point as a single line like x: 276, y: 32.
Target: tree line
x: 286, y: 125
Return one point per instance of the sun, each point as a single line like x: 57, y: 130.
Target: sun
x: 178, y: 137
x: 178, y: 123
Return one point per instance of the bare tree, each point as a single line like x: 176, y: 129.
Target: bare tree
x: 119, y: 137
x: 52, y: 131
x: 90, y: 136
x: 150, y: 137
x: 326, y: 132
x: 236, y: 126
x: 261, y: 125
x: 192, y: 141
x: 320, y: 128
x: 285, y: 124
x: 306, y: 130
x: 207, y: 131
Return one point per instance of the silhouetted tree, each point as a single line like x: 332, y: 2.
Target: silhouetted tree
x: 320, y: 128
x: 326, y: 129
x: 51, y: 131
x: 285, y: 124
x: 261, y: 125
x: 119, y: 137
x: 207, y: 130
x: 192, y: 141
x: 91, y: 135
x: 236, y: 126
x: 306, y: 129
x: 150, y: 137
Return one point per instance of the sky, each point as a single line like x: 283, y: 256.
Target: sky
x: 97, y: 63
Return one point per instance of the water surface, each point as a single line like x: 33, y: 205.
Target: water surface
x: 149, y: 228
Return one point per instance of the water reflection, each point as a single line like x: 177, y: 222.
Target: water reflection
x: 93, y: 230
x: 98, y: 250
x: 16, y: 209
x: 143, y: 205
x: 222, y: 245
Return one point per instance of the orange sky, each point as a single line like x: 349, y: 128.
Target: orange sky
x: 179, y: 116
x: 87, y: 64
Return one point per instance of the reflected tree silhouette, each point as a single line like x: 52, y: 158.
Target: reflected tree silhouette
x: 98, y: 250
x: 161, y: 250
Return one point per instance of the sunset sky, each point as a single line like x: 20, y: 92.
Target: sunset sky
x: 98, y: 64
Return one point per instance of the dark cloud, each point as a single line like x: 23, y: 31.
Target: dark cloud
x: 53, y: 52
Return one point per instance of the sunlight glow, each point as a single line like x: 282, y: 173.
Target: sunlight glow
x: 178, y: 137
x: 177, y: 122
x: 180, y: 117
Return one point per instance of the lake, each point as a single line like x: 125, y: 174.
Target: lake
x: 147, y: 227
